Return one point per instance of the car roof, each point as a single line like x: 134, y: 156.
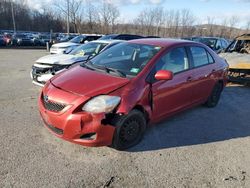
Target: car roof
x: 162, y: 42
x: 90, y: 35
x: 107, y: 41
x: 211, y: 37
x: 243, y: 37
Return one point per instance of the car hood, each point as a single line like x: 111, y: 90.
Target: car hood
x: 237, y: 60
x: 64, y: 44
x: 61, y: 59
x: 85, y: 82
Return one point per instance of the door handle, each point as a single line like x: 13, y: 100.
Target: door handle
x: 189, y: 78
x: 213, y: 70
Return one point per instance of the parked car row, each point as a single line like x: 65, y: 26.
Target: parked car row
x: 33, y: 38
x: 107, y: 92
x: 48, y: 66
x: 66, y: 47
x: 40, y: 39
x: 215, y: 43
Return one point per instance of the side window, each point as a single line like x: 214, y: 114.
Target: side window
x: 122, y: 37
x: 224, y: 44
x: 210, y: 58
x: 200, y: 56
x: 218, y: 45
x: 90, y: 38
x: 176, y: 61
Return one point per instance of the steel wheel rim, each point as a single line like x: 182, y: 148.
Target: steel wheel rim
x: 129, y: 131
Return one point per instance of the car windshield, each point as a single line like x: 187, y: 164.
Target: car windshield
x: 78, y: 39
x: 196, y: 39
x: 208, y: 41
x: 65, y: 38
x: 107, y: 37
x: 240, y: 46
x: 91, y: 48
x: 126, y: 58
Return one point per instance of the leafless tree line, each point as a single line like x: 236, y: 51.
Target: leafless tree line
x: 103, y: 17
x: 183, y: 23
x: 27, y: 19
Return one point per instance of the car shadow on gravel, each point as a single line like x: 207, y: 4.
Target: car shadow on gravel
x: 201, y: 125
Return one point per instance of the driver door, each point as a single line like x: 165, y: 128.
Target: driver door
x: 176, y: 94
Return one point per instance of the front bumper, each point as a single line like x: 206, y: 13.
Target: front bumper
x: 41, y: 75
x: 77, y: 127
x: 40, y: 79
x: 57, y: 50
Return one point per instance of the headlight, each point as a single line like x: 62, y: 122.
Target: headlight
x: 58, y: 67
x: 102, y: 103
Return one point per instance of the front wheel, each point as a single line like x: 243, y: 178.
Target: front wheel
x: 129, y: 130
x: 214, y: 98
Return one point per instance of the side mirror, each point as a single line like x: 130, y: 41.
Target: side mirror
x: 220, y: 51
x: 217, y: 47
x: 90, y: 56
x: 164, y: 75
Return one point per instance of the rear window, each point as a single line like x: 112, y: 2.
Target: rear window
x: 200, y: 56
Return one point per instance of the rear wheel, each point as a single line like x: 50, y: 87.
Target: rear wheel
x: 215, y: 95
x: 129, y: 130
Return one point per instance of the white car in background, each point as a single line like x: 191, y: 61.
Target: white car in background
x: 48, y: 66
x: 66, y: 47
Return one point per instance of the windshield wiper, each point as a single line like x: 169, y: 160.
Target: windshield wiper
x: 120, y: 73
x: 88, y: 65
x: 91, y: 66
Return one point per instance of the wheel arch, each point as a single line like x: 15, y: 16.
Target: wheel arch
x: 222, y: 82
x: 143, y: 110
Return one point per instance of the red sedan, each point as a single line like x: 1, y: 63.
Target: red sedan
x: 112, y: 98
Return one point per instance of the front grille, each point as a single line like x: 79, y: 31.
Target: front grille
x: 40, y: 70
x: 52, y: 106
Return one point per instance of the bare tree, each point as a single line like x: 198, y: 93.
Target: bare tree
x: 72, y: 9
x: 176, y: 23
x: 109, y: 14
x: 248, y: 27
x: 210, y: 25
x: 150, y: 21
x: 158, y: 19
x: 169, y: 22
x: 232, y: 23
x: 92, y: 17
x: 187, y: 21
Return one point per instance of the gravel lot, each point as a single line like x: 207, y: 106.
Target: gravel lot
x: 198, y: 148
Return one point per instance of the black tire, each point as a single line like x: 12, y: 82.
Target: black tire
x: 214, y: 97
x: 129, y: 130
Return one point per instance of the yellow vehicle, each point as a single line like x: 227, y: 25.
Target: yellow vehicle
x: 237, y: 55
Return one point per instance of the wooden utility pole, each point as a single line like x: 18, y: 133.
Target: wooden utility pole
x: 13, y: 17
x: 68, y: 17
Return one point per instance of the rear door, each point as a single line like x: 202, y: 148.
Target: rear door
x: 204, y: 77
x: 173, y: 95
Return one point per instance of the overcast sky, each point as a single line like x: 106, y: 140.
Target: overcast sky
x: 219, y: 9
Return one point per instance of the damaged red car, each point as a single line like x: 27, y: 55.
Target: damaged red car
x: 111, y: 99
